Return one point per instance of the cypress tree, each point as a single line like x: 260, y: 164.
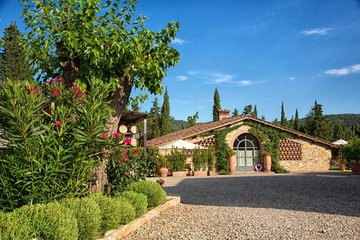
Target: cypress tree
x: 316, y: 124
x: 216, y: 106
x: 235, y: 113
x: 165, y: 122
x: 154, y: 121
x: 247, y: 109
x: 296, y: 121
x: 13, y: 64
x: 283, y: 117
x: 255, y: 112
x: 291, y: 122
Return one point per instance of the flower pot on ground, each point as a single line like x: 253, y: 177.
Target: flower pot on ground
x: 342, y: 165
x: 232, y: 162
x: 352, y: 153
x: 267, y: 162
x: 200, y: 173
x: 179, y: 173
x: 162, y: 164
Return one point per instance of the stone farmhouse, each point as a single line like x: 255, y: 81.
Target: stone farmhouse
x: 296, y: 152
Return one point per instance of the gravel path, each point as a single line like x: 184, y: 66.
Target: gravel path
x: 292, y: 206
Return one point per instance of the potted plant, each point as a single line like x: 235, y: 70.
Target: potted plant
x: 211, y: 162
x: 267, y: 153
x: 162, y: 166
x: 232, y: 160
x: 176, y: 161
x: 199, y: 160
x: 351, y: 153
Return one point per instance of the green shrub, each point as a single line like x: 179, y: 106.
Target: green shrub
x: 176, y: 160
x: 51, y: 221
x: 199, y: 159
x: 126, y: 209
x: 113, y: 211
x: 154, y: 192
x: 138, y: 200
x: 88, y: 216
x: 352, y: 150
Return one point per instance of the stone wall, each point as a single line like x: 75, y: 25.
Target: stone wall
x: 314, y: 158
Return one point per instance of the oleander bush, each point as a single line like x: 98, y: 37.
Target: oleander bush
x: 154, y: 192
x: 138, y: 200
x: 88, y: 216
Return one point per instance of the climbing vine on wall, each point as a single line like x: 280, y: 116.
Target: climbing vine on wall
x: 270, y: 139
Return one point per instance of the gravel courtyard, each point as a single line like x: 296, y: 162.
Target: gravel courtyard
x: 260, y: 206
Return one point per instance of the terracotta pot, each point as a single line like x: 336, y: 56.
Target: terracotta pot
x: 200, y: 173
x: 267, y: 163
x: 355, y: 168
x: 342, y: 165
x: 179, y: 174
x: 212, y: 173
x: 163, y: 171
x: 232, y: 161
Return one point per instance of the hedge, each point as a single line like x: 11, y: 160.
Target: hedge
x: 154, y: 192
x: 138, y: 200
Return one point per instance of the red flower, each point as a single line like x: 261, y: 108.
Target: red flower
x: 127, y: 141
x: 56, y: 92
x: 115, y: 135
x: 61, y: 80
x: 135, y: 151
x: 104, y: 136
x: 74, y: 88
x: 124, y: 155
x: 58, y: 123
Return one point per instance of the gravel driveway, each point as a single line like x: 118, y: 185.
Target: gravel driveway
x: 260, y: 206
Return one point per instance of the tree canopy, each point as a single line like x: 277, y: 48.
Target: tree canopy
x: 13, y: 62
x: 101, y: 39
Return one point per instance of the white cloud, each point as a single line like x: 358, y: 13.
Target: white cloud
x: 316, y: 31
x: 181, y: 78
x: 178, y: 41
x: 292, y: 78
x: 344, y: 71
x: 220, y: 78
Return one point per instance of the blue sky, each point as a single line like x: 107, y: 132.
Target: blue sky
x: 256, y: 52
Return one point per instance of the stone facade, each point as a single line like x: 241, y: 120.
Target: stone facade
x: 314, y: 157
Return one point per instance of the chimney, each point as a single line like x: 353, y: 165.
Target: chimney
x: 223, y: 114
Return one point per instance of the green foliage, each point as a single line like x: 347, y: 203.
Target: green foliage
x: 235, y: 113
x: 200, y: 159
x: 351, y: 150
x: 192, y: 119
x: 221, y: 152
x: 247, y: 109
x: 216, y: 105
x: 283, y: 117
x: 210, y: 158
x: 88, y: 216
x: 50, y: 221
x: 55, y: 135
x: 255, y: 112
x: 162, y: 162
x: 178, y: 124
x: 165, y: 121
x: 154, y: 192
x: 126, y: 210
x: 110, y: 212
x: 127, y: 165
x: 270, y: 139
x: 296, y: 121
x: 154, y: 120
x: 316, y: 124
x: 13, y: 62
x: 138, y: 201
x: 176, y: 160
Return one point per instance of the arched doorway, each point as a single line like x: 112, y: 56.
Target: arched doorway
x: 247, y: 149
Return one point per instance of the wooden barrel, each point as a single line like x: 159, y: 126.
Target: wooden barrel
x: 123, y: 129
x: 134, y: 142
x: 134, y: 129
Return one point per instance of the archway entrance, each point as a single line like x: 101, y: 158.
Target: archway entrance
x: 247, y: 149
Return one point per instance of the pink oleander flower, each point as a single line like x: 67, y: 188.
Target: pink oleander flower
x: 135, y: 151
x: 61, y: 80
x: 104, y: 136
x: 57, y: 123
x: 124, y: 155
x: 74, y: 88
x: 115, y: 135
x: 127, y: 141
x: 56, y: 92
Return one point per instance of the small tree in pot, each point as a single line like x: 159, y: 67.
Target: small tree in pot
x: 199, y: 160
x: 162, y: 165
x: 352, y: 153
x: 176, y: 161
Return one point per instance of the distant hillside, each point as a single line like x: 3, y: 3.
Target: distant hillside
x: 178, y: 124
x: 346, y: 119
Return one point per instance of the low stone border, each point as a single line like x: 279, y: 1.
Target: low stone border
x: 137, y: 223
